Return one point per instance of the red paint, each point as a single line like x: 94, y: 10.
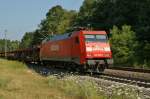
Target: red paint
x: 75, y: 47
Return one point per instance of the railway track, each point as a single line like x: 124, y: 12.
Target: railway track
x: 131, y: 69
x: 139, y: 84
x: 126, y: 77
x: 131, y: 81
x: 111, y: 77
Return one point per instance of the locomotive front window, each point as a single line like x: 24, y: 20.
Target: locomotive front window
x: 95, y: 38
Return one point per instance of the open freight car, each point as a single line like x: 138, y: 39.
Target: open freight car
x: 27, y: 54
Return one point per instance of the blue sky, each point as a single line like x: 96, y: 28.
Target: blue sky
x: 20, y: 16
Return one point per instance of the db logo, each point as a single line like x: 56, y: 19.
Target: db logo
x: 54, y: 47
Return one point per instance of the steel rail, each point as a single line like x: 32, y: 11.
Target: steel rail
x: 131, y: 69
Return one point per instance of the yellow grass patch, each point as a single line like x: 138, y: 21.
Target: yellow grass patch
x: 19, y: 82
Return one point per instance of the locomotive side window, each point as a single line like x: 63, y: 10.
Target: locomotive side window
x: 77, y: 40
x: 95, y: 38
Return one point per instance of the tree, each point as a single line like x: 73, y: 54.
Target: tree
x: 26, y: 40
x: 58, y: 21
x: 123, y: 44
x: 38, y: 37
x: 2, y: 45
x: 14, y: 45
x: 11, y: 45
x: 104, y: 14
x: 85, y: 13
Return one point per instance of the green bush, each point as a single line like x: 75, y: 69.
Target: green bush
x: 123, y: 43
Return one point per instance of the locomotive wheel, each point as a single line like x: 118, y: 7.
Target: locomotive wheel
x: 101, y: 68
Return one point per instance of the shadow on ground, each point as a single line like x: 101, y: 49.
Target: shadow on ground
x: 47, y: 71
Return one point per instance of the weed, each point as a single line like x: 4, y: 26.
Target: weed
x: 70, y: 87
x: 4, y: 82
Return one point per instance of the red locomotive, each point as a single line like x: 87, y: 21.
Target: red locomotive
x: 83, y: 50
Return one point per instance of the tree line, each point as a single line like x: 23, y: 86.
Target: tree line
x: 8, y: 45
x: 126, y: 20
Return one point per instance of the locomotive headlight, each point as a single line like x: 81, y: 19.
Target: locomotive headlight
x: 89, y: 49
x: 107, y: 48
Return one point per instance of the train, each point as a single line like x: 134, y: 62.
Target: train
x: 84, y: 50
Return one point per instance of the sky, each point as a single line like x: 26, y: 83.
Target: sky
x: 20, y: 16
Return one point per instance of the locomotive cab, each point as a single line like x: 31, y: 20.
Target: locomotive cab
x: 97, y: 48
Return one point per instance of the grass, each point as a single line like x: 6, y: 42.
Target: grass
x: 19, y: 82
x: 75, y: 89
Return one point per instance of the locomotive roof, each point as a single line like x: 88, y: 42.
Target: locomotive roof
x: 66, y: 35
x: 94, y: 32
x: 57, y: 37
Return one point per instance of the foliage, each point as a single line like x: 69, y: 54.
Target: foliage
x: 57, y: 21
x: 123, y: 44
x: 11, y: 45
x: 104, y: 14
x: 71, y: 87
x: 86, y: 13
x: 17, y: 82
x: 26, y: 40
x: 4, y: 82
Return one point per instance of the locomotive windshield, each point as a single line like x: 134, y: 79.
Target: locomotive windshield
x: 95, y: 38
